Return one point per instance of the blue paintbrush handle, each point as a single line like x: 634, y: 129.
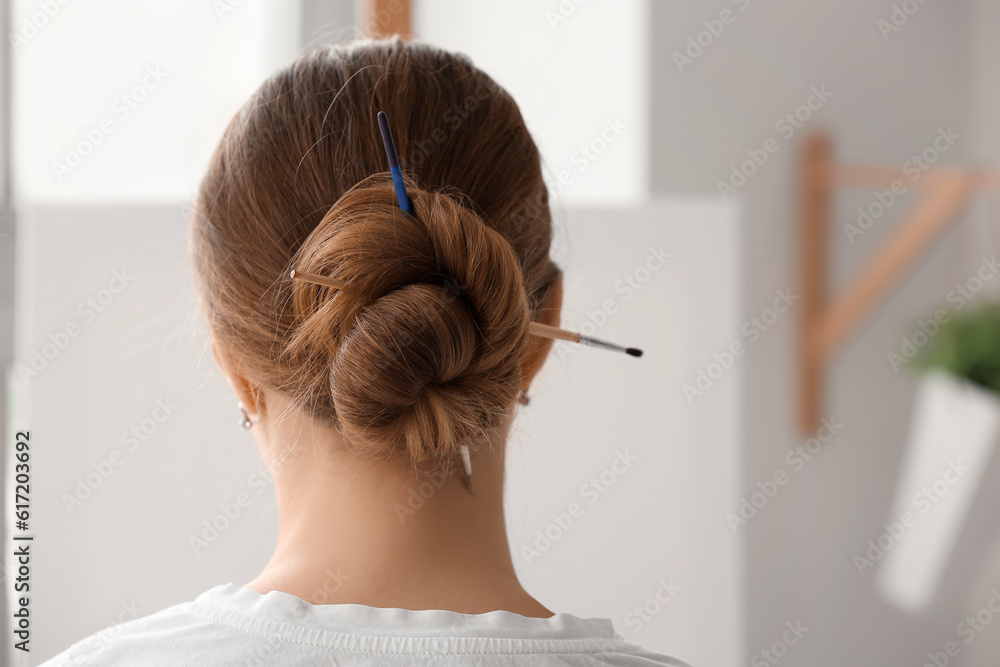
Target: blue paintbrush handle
x: 394, y: 169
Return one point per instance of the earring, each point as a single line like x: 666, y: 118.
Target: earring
x: 245, y: 419
x: 523, y: 398
x: 466, y: 465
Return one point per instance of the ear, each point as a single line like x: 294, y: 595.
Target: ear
x: 538, y: 347
x: 240, y: 385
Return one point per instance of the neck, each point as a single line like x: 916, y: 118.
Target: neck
x: 373, y: 532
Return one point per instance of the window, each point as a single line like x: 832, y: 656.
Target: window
x: 578, y: 69
x: 121, y: 100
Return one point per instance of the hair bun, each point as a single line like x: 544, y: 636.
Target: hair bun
x: 421, y: 351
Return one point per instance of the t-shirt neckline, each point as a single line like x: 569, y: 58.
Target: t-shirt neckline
x: 392, y: 629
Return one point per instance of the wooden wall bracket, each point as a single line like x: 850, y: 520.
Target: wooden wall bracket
x: 827, y: 322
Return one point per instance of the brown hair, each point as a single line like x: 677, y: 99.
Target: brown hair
x: 422, y: 352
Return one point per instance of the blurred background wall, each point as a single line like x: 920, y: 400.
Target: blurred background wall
x: 885, y: 78
x: 891, y: 91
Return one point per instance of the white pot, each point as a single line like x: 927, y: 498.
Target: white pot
x: 954, y: 427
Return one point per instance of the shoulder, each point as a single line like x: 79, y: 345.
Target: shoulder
x: 228, y: 625
x: 628, y: 654
x: 173, y: 636
x: 644, y: 658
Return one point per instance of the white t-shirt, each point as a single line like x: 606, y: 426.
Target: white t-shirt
x: 232, y: 625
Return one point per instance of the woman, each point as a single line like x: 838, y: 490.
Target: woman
x: 362, y: 398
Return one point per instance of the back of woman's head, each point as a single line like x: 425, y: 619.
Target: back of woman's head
x: 422, y: 352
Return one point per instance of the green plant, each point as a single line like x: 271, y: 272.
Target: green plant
x: 968, y: 345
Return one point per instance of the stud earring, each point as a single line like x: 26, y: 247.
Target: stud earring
x: 245, y: 419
